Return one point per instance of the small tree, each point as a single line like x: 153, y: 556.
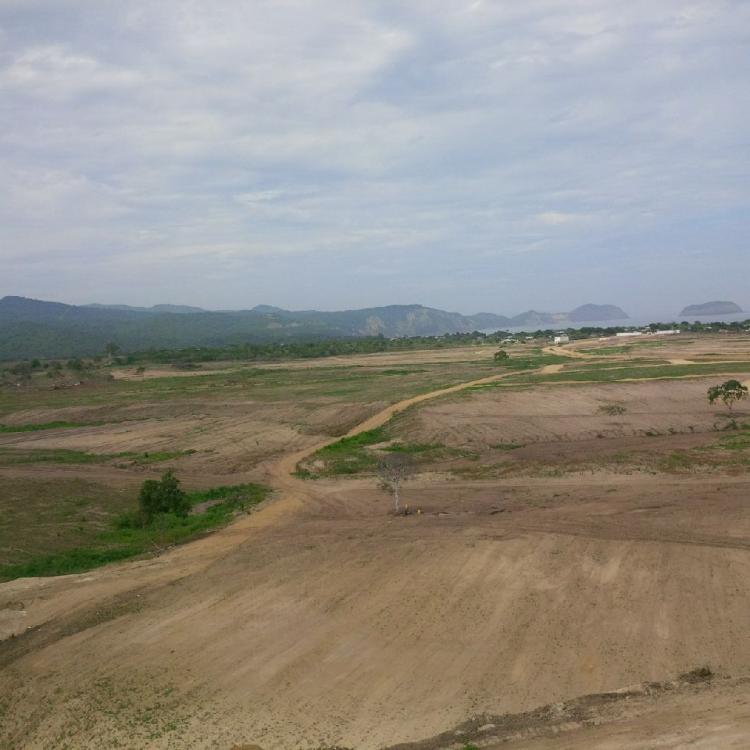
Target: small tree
x: 393, y: 470
x: 501, y: 355
x: 163, y: 496
x: 729, y: 392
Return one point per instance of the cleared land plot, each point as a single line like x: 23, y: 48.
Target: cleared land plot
x: 650, y: 426
x: 561, y: 551
x: 494, y: 600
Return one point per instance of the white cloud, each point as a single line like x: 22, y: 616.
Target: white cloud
x: 454, y: 135
x: 54, y: 72
x: 558, y: 218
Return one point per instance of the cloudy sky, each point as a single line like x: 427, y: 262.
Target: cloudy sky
x: 468, y: 154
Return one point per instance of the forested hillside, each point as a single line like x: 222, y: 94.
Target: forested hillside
x: 33, y: 328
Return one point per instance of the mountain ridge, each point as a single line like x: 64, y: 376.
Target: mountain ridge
x: 38, y: 328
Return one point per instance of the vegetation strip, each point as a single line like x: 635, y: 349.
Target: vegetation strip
x: 616, y: 374
x: 131, y: 536
x: 15, y: 456
x: 46, y: 426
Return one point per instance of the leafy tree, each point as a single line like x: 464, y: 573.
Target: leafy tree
x: 729, y: 392
x: 501, y: 355
x: 163, y: 496
x: 393, y: 470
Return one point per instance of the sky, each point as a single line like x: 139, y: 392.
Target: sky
x: 463, y: 154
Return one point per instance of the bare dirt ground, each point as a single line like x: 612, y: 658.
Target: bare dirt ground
x: 320, y: 620
x: 564, y: 413
x: 686, y: 346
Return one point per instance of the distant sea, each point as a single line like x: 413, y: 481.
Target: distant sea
x: 628, y: 322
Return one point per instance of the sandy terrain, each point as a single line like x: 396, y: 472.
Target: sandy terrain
x: 684, y: 346
x: 320, y: 620
x: 556, y: 413
x: 226, y: 438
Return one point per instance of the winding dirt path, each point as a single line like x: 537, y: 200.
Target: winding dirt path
x: 282, y: 472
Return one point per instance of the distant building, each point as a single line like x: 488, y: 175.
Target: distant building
x: 670, y: 332
x: 626, y: 334
x: 563, y: 338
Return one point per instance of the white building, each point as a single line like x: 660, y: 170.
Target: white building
x: 628, y: 334
x: 563, y: 338
x: 670, y: 332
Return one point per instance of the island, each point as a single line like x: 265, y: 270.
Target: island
x: 712, y: 308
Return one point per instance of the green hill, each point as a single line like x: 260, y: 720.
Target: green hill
x: 35, y: 328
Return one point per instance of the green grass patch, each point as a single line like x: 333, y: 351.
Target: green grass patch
x: 624, y: 348
x: 126, y: 539
x: 152, y: 457
x: 627, y: 373
x: 20, y: 456
x: 350, y: 455
x: 44, y: 426
x: 414, y: 447
x: 17, y: 456
x: 531, y: 361
x: 347, y: 444
x: 506, y: 446
x: 70, y: 561
x: 352, y: 462
x: 609, y: 364
x: 358, y: 384
x: 676, y: 462
x: 346, y: 456
x: 736, y: 441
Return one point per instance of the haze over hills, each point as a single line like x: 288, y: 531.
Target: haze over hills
x: 153, y: 309
x: 717, y: 307
x: 37, y: 328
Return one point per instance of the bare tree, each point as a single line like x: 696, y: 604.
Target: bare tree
x: 393, y: 470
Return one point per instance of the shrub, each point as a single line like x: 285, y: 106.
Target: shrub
x: 612, y: 410
x: 163, y: 496
x: 134, y: 519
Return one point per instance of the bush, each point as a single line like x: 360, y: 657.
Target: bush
x: 613, y: 410
x: 163, y: 496
x: 134, y: 519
